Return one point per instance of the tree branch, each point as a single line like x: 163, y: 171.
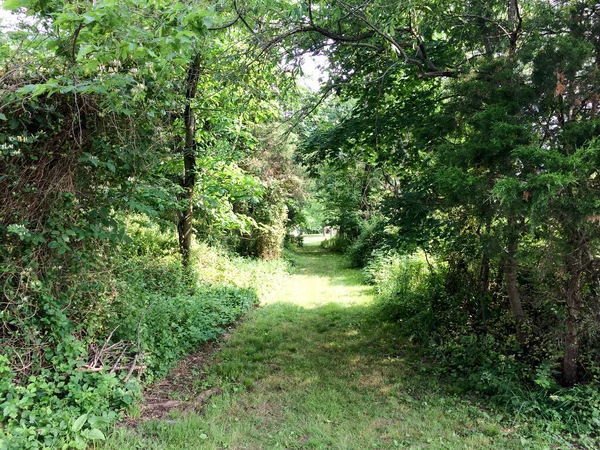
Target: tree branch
x: 227, y: 25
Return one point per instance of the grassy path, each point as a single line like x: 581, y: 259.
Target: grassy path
x: 310, y: 370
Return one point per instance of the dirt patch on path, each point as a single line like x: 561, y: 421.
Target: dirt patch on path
x: 182, y: 389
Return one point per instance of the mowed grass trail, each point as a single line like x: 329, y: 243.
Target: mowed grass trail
x: 312, y: 369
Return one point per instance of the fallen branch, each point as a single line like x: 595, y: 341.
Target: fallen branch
x: 102, y: 368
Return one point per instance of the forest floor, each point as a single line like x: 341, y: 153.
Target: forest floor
x: 312, y: 369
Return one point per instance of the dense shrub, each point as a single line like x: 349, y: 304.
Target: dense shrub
x: 173, y: 311
x: 406, y: 290
x: 434, y: 312
x: 338, y: 243
x: 64, y: 402
x: 373, y: 237
x: 293, y: 242
x: 49, y: 397
x: 495, y: 368
x: 60, y: 407
x: 220, y: 266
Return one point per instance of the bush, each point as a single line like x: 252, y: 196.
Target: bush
x: 372, y: 237
x: 486, y: 361
x: 59, y: 402
x: 493, y: 367
x: 338, y: 243
x: 62, y: 406
x: 293, y: 242
x: 219, y: 266
x: 171, y: 326
x: 48, y: 398
x: 177, y: 311
x: 405, y: 292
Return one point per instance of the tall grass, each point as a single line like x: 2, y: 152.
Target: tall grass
x: 405, y: 289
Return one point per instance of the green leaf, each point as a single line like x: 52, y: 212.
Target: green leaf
x: 90, y: 65
x: 79, y: 423
x: 84, y: 50
x: 28, y: 88
x: 2, y: 117
x: 94, y: 434
x: 99, y: 89
x: 12, y: 5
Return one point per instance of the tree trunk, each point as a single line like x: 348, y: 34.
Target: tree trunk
x: 512, y: 11
x: 484, y: 284
x: 365, y: 191
x: 512, y: 290
x: 484, y: 272
x: 571, y: 339
x: 184, y: 225
x: 573, y: 263
x: 514, y: 16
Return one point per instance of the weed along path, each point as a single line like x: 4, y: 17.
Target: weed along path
x: 312, y: 369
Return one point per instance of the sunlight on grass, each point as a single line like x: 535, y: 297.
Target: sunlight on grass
x: 320, y: 280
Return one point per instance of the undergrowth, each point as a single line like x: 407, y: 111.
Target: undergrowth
x: 150, y: 313
x: 413, y: 294
x: 338, y: 243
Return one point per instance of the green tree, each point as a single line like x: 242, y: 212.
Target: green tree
x: 451, y: 125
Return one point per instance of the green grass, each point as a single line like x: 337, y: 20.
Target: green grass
x: 310, y: 369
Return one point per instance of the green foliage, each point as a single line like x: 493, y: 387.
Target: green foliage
x: 317, y: 346
x: 373, y: 237
x: 91, y: 108
x: 64, y: 403
x: 175, y: 311
x: 489, y: 166
x: 173, y: 326
x: 293, y: 242
x: 338, y: 243
x: 312, y: 214
x: 60, y: 407
x: 222, y: 267
x: 278, y: 208
x: 406, y: 292
x: 493, y: 365
x: 468, y: 131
